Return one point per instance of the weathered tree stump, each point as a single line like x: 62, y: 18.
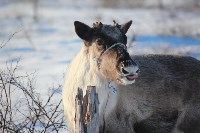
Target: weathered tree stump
x: 87, y: 111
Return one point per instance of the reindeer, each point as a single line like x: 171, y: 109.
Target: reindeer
x: 137, y: 94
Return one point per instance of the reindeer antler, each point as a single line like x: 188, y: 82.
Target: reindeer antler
x: 116, y: 24
x: 97, y: 25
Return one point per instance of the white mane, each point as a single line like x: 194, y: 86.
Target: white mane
x: 83, y: 72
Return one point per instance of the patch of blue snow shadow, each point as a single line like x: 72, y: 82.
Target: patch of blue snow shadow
x: 22, y: 49
x: 45, y: 30
x: 3, y: 4
x: 39, y: 125
x: 172, y: 40
x: 64, y: 62
x: 57, y: 90
x: 65, y: 41
x: 10, y: 22
x: 3, y: 35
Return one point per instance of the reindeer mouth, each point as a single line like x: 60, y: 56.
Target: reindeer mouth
x: 129, y: 74
x: 131, y: 77
x: 128, y: 79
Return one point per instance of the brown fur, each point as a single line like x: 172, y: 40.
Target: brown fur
x: 109, y: 61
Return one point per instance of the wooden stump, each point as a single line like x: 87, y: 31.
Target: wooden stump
x: 79, y: 112
x: 87, y: 111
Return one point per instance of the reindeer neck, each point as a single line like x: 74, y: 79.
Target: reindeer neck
x: 83, y: 72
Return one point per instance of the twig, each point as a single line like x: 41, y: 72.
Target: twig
x: 48, y: 114
x: 4, y: 43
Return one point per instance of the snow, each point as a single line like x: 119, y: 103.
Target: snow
x: 48, y: 44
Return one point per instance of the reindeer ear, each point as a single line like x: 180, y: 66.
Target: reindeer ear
x: 126, y: 26
x: 83, y: 30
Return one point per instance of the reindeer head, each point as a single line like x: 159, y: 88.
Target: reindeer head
x: 106, y: 44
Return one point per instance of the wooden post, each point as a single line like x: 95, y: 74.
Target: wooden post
x: 79, y: 112
x: 87, y: 111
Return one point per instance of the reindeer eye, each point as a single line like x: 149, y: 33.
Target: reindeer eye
x: 99, y: 41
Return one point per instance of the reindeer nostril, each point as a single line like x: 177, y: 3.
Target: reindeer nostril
x: 124, y: 71
x: 138, y: 71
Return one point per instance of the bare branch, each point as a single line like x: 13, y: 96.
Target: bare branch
x: 30, y: 110
x: 4, y: 43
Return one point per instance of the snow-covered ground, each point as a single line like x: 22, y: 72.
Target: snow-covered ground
x: 48, y: 44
